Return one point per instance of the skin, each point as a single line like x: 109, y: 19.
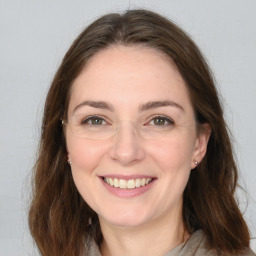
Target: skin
x: 126, y: 78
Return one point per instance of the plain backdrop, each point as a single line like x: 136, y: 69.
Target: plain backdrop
x: 34, y: 35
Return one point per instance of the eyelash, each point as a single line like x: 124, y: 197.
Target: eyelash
x: 168, y: 120
x: 90, y: 118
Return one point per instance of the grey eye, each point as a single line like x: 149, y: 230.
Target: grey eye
x: 161, y: 121
x: 94, y: 120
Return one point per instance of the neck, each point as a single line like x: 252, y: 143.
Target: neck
x: 152, y: 239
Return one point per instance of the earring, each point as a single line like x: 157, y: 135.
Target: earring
x: 196, y: 163
x: 69, y: 162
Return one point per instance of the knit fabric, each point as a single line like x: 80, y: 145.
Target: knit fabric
x: 194, y: 246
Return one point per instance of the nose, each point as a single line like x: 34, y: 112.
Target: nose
x: 126, y: 148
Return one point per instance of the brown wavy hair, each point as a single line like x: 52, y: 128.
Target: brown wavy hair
x: 59, y: 218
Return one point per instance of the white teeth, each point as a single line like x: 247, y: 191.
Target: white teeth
x: 130, y: 184
x: 116, y: 183
x: 127, y: 184
x: 122, y: 183
x: 137, y: 183
x: 111, y: 182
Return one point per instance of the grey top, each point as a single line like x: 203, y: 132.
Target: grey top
x: 194, y: 246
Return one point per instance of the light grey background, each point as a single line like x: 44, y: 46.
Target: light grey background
x: 34, y: 35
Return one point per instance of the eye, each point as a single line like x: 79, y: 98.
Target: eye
x: 94, y: 120
x: 161, y: 121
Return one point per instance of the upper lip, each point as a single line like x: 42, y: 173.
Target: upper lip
x: 126, y: 177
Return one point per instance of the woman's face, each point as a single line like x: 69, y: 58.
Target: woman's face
x: 131, y: 136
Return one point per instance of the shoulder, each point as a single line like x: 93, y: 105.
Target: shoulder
x: 91, y: 248
x: 248, y: 252
x: 197, y: 246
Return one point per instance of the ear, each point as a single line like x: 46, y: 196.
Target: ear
x: 68, y: 159
x: 200, y: 149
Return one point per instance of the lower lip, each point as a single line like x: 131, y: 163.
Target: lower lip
x: 129, y: 192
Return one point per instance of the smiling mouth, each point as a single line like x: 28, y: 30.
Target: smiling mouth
x: 127, y: 184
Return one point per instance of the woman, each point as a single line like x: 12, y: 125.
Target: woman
x: 135, y: 157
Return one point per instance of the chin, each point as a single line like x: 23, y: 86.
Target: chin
x: 126, y: 218
x: 126, y: 223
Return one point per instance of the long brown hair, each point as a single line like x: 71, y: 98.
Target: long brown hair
x: 59, y: 218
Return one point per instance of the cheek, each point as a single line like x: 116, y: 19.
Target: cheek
x: 84, y: 154
x: 173, y: 153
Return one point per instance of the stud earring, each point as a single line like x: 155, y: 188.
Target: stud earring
x: 196, y: 163
x: 69, y: 162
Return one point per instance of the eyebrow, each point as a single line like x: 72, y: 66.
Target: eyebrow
x: 158, y: 104
x: 95, y: 104
x: 143, y: 107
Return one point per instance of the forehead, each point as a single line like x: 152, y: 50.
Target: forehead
x: 129, y: 75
